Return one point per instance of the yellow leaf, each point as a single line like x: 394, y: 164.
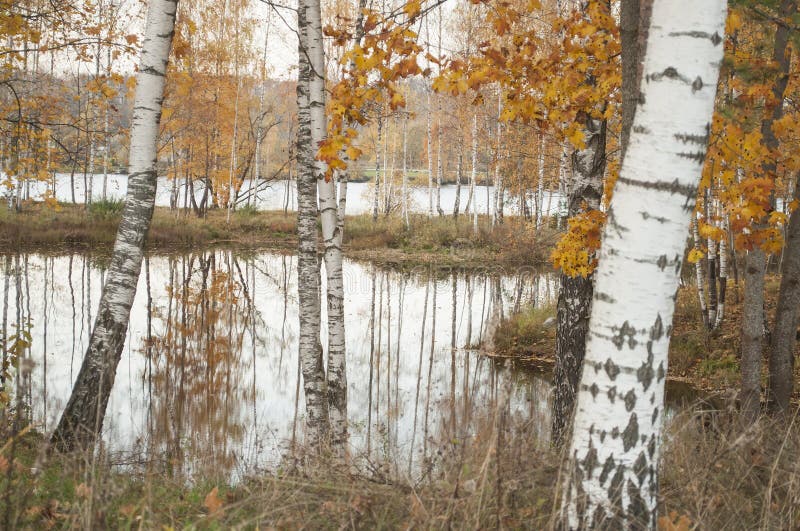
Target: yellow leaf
x: 695, y: 255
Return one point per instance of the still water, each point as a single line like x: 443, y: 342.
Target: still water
x: 209, y: 378
x: 280, y: 194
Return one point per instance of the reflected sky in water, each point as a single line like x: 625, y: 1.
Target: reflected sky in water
x: 208, y: 380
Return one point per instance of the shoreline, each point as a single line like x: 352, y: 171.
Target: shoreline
x: 441, y: 241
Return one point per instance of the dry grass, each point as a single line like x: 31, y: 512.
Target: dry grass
x: 718, y: 474
x: 715, y: 474
x: 444, y: 240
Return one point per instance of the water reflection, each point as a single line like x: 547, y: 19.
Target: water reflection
x: 209, y: 380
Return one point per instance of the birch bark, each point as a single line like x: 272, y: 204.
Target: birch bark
x: 473, y: 176
x: 575, y: 293
x: 82, y: 419
x: 308, y: 279
x: 612, y: 474
x: 332, y: 233
x: 430, y: 158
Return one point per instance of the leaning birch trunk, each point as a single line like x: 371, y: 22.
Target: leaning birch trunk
x: 82, y: 419
x: 612, y: 475
x: 575, y: 292
x: 308, y: 280
x: 331, y: 237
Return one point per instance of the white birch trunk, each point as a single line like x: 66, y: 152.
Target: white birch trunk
x: 377, y: 187
x: 699, y: 277
x: 498, y: 183
x: 612, y: 476
x: 723, y: 275
x: 474, y: 174
x: 439, y: 157
x: 405, y: 171
x: 82, y: 419
x: 332, y: 231
x: 308, y: 169
x: 540, y: 183
x: 430, y: 159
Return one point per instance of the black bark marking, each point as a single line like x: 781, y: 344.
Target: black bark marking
x: 631, y: 434
x: 612, y: 394
x: 657, y: 332
x: 645, y: 373
x: 608, y: 466
x: 640, y: 128
x: 630, y: 400
x: 662, y: 262
x: 640, y: 467
x: 661, y: 371
x: 615, y: 487
x: 697, y: 84
x: 612, y: 369
x: 701, y: 140
x: 670, y: 72
x: 590, y: 462
x: 625, y: 330
x: 715, y: 38
x: 673, y: 187
x: 655, y: 416
x: 638, y: 513
x: 594, y: 390
x: 615, y: 432
x: 605, y: 297
x: 697, y: 156
x: 611, y: 221
x: 603, y: 435
x: 646, y: 215
x: 651, y: 446
x: 598, y: 367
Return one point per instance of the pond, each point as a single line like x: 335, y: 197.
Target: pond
x: 277, y: 194
x: 209, y: 380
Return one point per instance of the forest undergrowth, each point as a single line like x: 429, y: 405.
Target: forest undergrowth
x: 708, y: 360
x: 714, y: 476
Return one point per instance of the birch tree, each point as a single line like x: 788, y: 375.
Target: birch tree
x: 332, y: 232
x: 309, y: 129
x: 613, y: 456
x: 82, y: 419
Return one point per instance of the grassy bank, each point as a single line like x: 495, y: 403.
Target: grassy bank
x: 708, y: 360
x: 712, y: 477
x: 443, y: 241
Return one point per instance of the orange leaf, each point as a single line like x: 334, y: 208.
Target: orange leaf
x: 212, y: 501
